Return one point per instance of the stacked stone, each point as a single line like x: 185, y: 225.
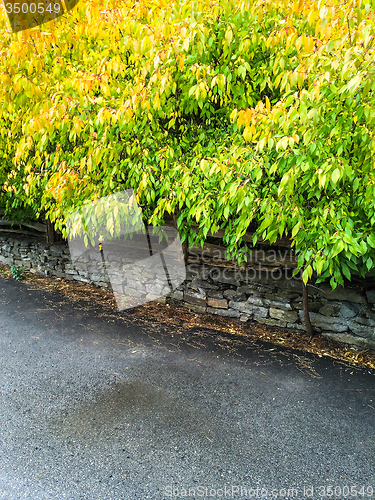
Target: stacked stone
x: 39, y: 257
x: 344, y: 314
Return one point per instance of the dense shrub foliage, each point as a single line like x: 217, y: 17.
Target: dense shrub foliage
x: 240, y: 115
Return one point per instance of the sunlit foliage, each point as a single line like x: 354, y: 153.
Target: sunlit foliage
x: 240, y: 115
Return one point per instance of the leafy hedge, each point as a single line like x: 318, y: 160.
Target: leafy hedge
x: 227, y: 114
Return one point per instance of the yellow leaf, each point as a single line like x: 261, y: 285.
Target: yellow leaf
x: 306, y: 43
x: 312, y: 16
x: 156, y: 103
x: 268, y: 104
x: 89, y: 163
x: 247, y: 134
x: 296, y: 138
x: 229, y: 36
x: 186, y: 44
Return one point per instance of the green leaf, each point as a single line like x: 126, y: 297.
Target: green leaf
x: 319, y: 262
x: 226, y: 212
x: 267, y: 221
x: 305, y: 276
x: 229, y: 36
x: 282, y: 143
x: 295, y: 229
x: 371, y: 240
x: 354, y: 83
x: 346, y: 271
x: 333, y: 283
x: 335, y: 175
x: 337, y: 248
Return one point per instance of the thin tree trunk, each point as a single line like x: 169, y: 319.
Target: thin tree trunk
x: 309, y: 328
x: 184, y: 244
x: 186, y: 251
x: 52, y: 235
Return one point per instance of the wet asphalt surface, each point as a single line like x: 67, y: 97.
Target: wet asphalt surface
x: 109, y: 409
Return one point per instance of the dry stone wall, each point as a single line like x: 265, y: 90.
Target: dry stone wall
x: 263, y: 291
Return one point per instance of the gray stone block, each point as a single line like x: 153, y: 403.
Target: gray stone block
x: 97, y: 277
x: 296, y: 326
x: 362, y: 330
x: 217, y: 303
x: 195, y: 298
x: 262, y: 289
x: 177, y: 295
x: 270, y: 322
x: 70, y: 267
x: 313, y: 306
x: 326, y: 322
x: 215, y: 294
x: 328, y: 310
x: 244, y: 318
x: 348, y: 310
x: 250, y: 309
x: 81, y: 279
x: 365, y: 321
x: 234, y: 295
x: 246, y: 289
x: 277, y: 304
x: 59, y: 274
x: 231, y: 313
x: 6, y: 260
x: 196, y: 284
x: 256, y: 301
x: 55, y: 250
x: 350, y: 340
x: 72, y: 272
x: 370, y: 294
x: 195, y: 308
x: 281, y: 314
x: 341, y: 293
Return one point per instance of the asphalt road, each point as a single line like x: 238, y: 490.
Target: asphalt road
x: 109, y: 409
